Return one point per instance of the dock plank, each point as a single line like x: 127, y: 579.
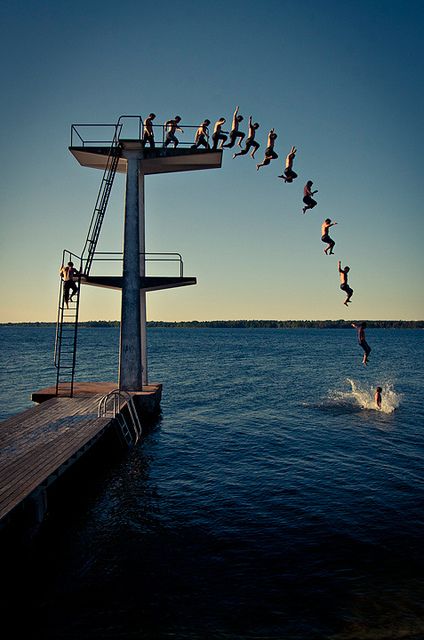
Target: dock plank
x: 37, y: 442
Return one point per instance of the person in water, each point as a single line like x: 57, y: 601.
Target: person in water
x: 326, y: 238
x: 289, y: 175
x: 235, y: 133
x: 377, y: 397
x: 362, y: 340
x: 269, y: 151
x: 344, y: 285
x: 307, y: 196
x: 250, y: 140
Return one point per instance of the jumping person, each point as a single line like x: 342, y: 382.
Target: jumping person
x: 362, y: 341
x: 148, y: 135
x: 377, y: 397
x: 269, y: 151
x: 307, y: 196
x: 289, y: 175
x: 235, y: 133
x: 68, y: 274
x: 218, y: 134
x: 326, y: 238
x: 344, y: 285
x: 250, y: 140
x: 173, y: 126
x: 202, y: 135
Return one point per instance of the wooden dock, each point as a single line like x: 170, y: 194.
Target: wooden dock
x: 39, y: 444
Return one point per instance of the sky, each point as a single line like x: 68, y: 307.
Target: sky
x: 341, y: 80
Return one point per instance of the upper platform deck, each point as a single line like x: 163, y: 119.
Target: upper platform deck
x: 92, y: 144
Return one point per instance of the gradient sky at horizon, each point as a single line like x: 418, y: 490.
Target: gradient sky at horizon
x: 341, y: 80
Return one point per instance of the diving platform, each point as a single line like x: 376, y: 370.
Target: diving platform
x: 147, y: 283
x: 157, y: 160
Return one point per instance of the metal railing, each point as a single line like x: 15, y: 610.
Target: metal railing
x: 130, y: 128
x: 114, y: 404
x: 117, y: 256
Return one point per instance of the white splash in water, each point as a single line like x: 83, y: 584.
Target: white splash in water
x: 364, y: 397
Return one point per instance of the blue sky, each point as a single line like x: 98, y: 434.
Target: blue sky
x: 341, y: 80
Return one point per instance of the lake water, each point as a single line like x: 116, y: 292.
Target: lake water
x: 272, y: 499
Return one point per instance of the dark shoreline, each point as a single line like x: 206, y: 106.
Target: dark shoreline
x: 244, y: 324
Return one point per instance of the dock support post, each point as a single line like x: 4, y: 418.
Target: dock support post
x: 130, y: 374
x: 143, y: 309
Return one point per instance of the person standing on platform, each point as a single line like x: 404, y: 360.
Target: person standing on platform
x: 68, y: 274
x: 269, y: 151
x: 326, y: 238
x: 289, y: 175
x: 307, y: 196
x: 235, y: 133
x: 173, y: 126
x: 202, y: 135
x: 344, y: 285
x: 362, y: 341
x: 250, y: 140
x: 148, y: 135
x: 218, y: 134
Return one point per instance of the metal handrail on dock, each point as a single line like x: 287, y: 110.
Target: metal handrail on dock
x: 111, y: 405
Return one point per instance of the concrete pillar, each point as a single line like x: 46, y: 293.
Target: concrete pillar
x: 143, y: 310
x: 130, y: 374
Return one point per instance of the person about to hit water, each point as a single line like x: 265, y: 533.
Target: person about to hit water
x: 344, y: 285
x: 362, y: 341
x: 326, y: 238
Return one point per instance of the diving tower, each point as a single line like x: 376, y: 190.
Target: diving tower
x: 121, y: 150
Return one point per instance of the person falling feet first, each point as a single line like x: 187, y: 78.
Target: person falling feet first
x: 326, y: 238
x: 289, y: 175
x: 344, y: 285
x: 269, y: 151
x: 307, y: 196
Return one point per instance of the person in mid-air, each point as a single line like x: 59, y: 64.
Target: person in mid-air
x: 360, y: 328
x: 235, y: 134
x: 218, y: 134
x: 269, y: 151
x: 307, y: 196
x: 250, y: 140
x: 148, y: 135
x: 172, y: 126
x: 344, y: 285
x: 289, y: 175
x: 202, y: 135
x: 326, y: 238
x: 377, y: 397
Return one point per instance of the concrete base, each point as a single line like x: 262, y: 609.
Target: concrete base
x: 147, y: 401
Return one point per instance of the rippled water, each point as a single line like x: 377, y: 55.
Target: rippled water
x: 272, y: 500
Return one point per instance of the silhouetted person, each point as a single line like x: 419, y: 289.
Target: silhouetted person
x: 377, y: 397
x: 148, y: 135
x: 326, y: 238
x: 68, y: 274
x: 289, y: 175
x: 344, y: 285
x: 362, y: 341
x: 307, y: 196
x: 218, y: 134
x: 235, y: 133
x: 173, y: 126
x: 269, y: 151
x: 250, y: 140
x: 202, y: 135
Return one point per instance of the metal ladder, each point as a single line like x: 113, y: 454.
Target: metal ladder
x: 67, y: 318
x: 101, y: 203
x: 111, y: 405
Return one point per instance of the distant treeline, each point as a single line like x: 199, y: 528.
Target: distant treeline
x: 249, y: 324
